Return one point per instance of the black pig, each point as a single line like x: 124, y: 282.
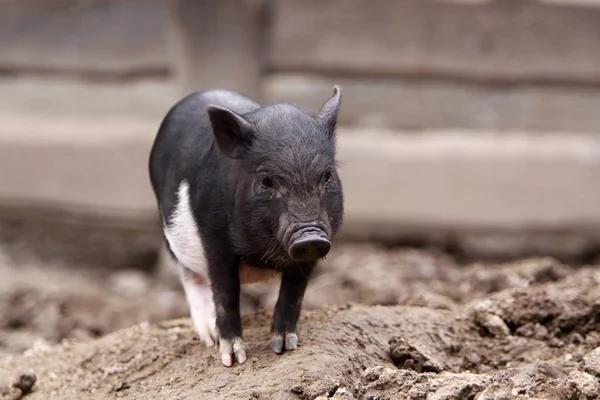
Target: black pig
x: 245, y: 191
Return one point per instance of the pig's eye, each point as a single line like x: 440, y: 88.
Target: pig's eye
x: 328, y: 176
x: 266, y: 182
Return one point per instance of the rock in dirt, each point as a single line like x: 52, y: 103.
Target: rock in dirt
x: 532, y: 330
x: 25, y: 383
x: 583, y: 386
x: 495, y: 391
x: 413, y: 356
x: 591, y: 362
x: 386, y: 383
x: 20, y: 388
x: 541, y: 270
x: 492, y: 323
x: 457, y: 386
x: 342, y: 394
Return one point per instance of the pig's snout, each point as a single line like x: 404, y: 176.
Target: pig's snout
x: 309, y: 249
x: 308, y: 243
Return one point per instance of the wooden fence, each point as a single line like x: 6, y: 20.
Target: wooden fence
x: 508, y: 92
x: 497, y: 64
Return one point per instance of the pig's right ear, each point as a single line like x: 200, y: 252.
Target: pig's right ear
x: 232, y: 132
x: 330, y: 110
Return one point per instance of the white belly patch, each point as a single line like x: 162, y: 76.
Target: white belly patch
x: 182, y: 234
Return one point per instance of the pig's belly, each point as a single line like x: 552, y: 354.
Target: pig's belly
x: 250, y: 274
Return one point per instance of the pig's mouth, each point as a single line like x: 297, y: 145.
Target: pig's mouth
x: 307, y: 241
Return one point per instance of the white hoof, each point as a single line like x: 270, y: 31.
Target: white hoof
x: 232, y: 349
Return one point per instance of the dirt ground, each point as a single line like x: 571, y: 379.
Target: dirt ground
x: 377, y: 324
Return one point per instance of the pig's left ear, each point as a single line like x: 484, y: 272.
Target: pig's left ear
x: 329, y: 111
x: 232, y: 132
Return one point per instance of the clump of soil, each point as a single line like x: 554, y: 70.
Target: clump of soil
x: 377, y: 324
x: 22, y: 386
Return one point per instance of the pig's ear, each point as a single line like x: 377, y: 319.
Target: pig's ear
x: 329, y: 111
x: 232, y: 132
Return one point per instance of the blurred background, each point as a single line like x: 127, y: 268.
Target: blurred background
x: 468, y: 128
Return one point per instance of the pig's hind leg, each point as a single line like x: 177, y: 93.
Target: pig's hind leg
x: 184, y: 242
x: 287, y: 310
x: 200, y: 301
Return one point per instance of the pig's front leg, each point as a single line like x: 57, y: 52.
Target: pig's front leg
x: 225, y: 282
x: 287, y: 310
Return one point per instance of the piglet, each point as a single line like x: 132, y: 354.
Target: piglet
x: 245, y: 192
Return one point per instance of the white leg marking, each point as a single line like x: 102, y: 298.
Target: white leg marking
x: 202, y: 307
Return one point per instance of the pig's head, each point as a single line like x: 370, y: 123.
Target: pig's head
x: 288, y: 196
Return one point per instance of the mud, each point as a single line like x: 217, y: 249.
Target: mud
x: 377, y: 324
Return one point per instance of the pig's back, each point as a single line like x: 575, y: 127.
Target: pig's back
x: 184, y: 143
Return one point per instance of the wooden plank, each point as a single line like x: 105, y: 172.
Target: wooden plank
x: 30, y: 96
x: 397, y: 179
x: 88, y: 165
x: 216, y: 44
x: 439, y: 104
x: 471, y: 179
x: 108, y: 37
x: 500, y: 40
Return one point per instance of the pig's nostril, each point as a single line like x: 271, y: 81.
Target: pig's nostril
x: 298, y: 252
x: 322, y: 251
